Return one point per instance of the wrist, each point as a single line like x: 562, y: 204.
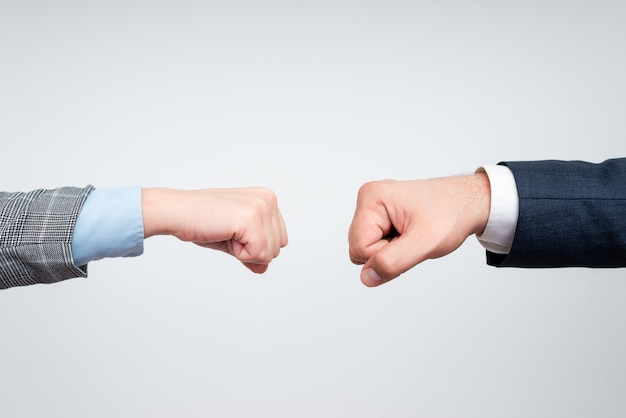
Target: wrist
x: 155, y: 208
x: 480, y: 195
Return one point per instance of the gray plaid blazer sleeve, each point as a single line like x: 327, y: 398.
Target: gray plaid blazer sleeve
x: 36, y: 231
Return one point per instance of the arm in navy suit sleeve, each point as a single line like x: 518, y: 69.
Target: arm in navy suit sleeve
x: 571, y: 214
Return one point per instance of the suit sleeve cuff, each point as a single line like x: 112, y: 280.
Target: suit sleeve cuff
x: 110, y: 224
x: 504, y: 212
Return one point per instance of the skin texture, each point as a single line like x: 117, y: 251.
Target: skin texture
x: 399, y: 224
x: 243, y: 222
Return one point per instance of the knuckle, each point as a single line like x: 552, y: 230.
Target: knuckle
x: 375, y: 187
x: 264, y: 255
x: 264, y: 202
x: 356, y: 256
x: 359, y: 255
x: 267, y: 195
x: 387, y: 264
x: 367, y: 188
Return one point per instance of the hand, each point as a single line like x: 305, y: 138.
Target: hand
x: 399, y: 224
x: 245, y: 223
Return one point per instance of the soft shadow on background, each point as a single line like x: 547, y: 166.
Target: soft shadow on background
x: 311, y: 99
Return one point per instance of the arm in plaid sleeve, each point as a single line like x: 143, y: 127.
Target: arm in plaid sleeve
x: 36, y: 234
x: 45, y: 234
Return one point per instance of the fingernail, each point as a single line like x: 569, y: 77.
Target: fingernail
x: 374, y: 277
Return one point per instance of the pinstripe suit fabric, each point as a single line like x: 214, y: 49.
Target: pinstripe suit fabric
x: 571, y: 214
x: 36, y: 235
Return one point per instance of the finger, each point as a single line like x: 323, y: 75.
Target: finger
x: 366, y: 234
x: 255, y: 245
x: 284, y: 238
x: 367, y: 252
x: 266, y: 241
x: 256, y: 267
x: 370, y: 223
x: 278, y: 234
x: 394, y: 259
x: 235, y: 248
x: 276, y: 231
x: 252, y: 252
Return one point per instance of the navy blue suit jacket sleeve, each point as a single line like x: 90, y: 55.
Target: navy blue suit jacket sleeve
x: 571, y: 214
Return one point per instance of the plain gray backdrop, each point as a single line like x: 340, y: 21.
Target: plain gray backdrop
x: 312, y: 99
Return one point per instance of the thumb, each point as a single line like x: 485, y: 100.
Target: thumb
x: 399, y: 255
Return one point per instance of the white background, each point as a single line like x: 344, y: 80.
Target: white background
x: 312, y: 99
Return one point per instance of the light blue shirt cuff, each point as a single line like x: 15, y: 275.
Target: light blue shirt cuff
x: 110, y: 224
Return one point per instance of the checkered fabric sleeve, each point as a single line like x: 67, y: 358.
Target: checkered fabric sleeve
x: 36, y: 235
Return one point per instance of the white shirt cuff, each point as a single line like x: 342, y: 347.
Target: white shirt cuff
x: 500, y: 230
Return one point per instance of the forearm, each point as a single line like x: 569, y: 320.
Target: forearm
x: 156, y: 206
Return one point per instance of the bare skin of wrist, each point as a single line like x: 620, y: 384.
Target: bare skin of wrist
x: 243, y: 222
x: 399, y: 224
